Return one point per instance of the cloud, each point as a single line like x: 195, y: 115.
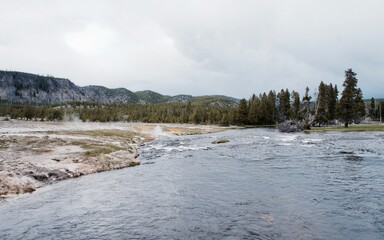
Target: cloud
x: 197, y: 47
x: 91, y: 40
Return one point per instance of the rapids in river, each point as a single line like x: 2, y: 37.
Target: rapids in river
x: 263, y: 184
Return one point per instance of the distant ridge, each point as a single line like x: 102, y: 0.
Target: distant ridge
x: 32, y: 88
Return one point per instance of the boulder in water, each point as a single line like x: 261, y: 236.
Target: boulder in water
x: 220, y: 140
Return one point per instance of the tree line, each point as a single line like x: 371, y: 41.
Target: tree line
x: 265, y: 109
x: 327, y: 109
x: 97, y: 112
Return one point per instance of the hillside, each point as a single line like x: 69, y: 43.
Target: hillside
x: 148, y: 96
x: 215, y: 100
x: 31, y: 88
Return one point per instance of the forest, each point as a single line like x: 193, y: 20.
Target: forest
x: 325, y: 108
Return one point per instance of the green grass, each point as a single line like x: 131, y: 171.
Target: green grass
x: 133, y: 163
x: 350, y: 128
x: 94, y: 150
x: 105, y: 133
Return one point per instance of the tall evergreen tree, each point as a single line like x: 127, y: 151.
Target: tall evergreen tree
x: 271, y: 107
x: 321, y: 105
x: 325, y: 110
x: 351, y: 103
x: 331, y: 102
x: 284, y: 107
x: 295, y: 105
x: 359, y: 106
x: 263, y: 117
x: 252, y: 113
x: 306, y: 105
x: 243, y: 112
x: 372, y: 108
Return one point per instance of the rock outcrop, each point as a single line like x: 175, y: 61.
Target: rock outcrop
x: 32, y: 88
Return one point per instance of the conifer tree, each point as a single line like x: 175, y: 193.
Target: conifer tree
x: 321, y: 105
x: 331, y: 102
x: 295, y: 105
x: 271, y: 107
x: 252, y: 114
x: 263, y: 115
x: 243, y: 112
x: 284, y: 107
x: 351, y: 103
x: 306, y: 104
x: 359, y: 106
x: 372, y: 108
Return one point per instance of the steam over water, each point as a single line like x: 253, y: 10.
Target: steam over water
x: 261, y: 185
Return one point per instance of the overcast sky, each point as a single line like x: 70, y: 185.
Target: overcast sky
x: 197, y: 47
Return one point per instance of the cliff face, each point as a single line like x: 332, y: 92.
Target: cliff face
x: 26, y: 87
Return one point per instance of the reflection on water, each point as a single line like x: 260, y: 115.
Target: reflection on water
x: 260, y: 185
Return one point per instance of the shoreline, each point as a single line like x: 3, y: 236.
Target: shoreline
x: 374, y: 127
x: 36, y: 154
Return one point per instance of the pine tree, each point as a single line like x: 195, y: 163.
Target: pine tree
x: 284, y: 107
x: 271, y: 108
x: 359, y: 106
x: 372, y: 109
x: 351, y: 103
x: 265, y: 117
x: 331, y: 102
x: 321, y: 105
x: 243, y: 112
x: 306, y: 105
x: 252, y: 114
x: 295, y: 105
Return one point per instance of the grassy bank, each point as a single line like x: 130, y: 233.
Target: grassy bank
x: 350, y: 128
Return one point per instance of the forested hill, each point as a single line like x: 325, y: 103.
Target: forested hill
x: 31, y: 88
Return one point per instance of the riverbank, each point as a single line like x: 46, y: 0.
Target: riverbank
x: 377, y: 127
x: 34, y: 154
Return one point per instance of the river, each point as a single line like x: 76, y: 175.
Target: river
x: 261, y: 185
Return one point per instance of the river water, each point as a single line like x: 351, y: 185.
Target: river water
x: 261, y: 185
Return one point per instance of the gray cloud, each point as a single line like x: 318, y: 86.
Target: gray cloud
x: 196, y: 47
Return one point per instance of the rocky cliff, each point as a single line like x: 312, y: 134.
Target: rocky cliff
x: 26, y: 87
